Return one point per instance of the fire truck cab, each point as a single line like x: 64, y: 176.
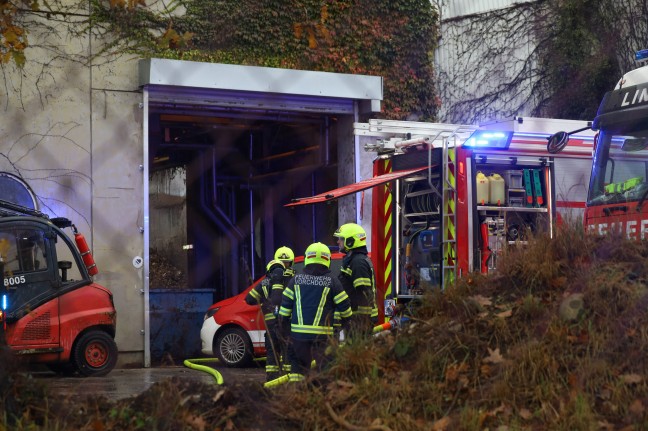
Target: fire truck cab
x: 52, y: 312
x: 448, y: 199
x: 619, y: 180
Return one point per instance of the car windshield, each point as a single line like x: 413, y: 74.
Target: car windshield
x: 620, y: 167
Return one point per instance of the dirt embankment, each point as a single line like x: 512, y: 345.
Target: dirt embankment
x: 557, y: 340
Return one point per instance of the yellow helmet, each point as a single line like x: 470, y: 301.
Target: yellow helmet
x: 274, y: 263
x: 318, y: 253
x: 285, y: 255
x: 352, y: 234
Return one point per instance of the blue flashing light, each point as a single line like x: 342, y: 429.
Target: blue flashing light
x: 489, y: 139
x: 4, y: 302
x: 642, y: 55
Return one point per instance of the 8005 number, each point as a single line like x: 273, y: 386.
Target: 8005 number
x: 14, y: 281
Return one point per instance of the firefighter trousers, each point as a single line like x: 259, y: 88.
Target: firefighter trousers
x: 278, y: 353
x: 305, y: 351
x: 273, y: 354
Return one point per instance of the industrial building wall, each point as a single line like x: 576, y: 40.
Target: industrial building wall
x: 73, y: 133
x: 117, y: 199
x: 478, y: 58
x: 450, y: 9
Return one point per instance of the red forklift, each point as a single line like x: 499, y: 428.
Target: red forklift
x: 51, y: 311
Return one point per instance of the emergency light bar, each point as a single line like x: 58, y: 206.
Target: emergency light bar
x: 494, y: 140
x: 641, y: 55
x: 4, y: 302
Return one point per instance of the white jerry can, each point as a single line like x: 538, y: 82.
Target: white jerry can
x: 483, y: 191
x: 496, y: 183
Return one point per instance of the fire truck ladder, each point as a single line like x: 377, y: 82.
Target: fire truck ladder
x: 396, y: 137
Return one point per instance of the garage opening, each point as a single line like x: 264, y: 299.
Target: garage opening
x: 218, y: 186
x: 226, y: 148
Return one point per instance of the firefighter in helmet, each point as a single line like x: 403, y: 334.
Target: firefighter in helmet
x: 309, y: 303
x: 287, y: 257
x: 357, y: 278
x: 268, y: 294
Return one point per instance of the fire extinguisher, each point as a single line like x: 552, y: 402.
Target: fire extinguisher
x: 82, y: 245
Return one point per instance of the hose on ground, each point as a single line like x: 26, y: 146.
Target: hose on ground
x: 194, y: 365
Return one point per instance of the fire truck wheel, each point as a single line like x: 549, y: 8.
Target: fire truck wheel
x: 95, y: 354
x: 233, y: 348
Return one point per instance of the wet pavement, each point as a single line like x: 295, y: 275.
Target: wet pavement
x: 129, y: 382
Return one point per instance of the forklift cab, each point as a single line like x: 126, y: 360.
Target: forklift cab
x: 40, y: 264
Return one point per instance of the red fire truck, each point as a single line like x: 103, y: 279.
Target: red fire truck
x: 619, y: 180
x: 448, y: 199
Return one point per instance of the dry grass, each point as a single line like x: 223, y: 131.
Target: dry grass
x: 495, y: 353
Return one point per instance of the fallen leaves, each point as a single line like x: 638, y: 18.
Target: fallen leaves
x: 494, y: 357
x: 631, y: 379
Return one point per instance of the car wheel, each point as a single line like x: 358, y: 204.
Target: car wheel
x: 95, y: 354
x: 233, y: 347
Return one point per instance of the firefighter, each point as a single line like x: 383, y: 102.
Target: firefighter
x: 267, y: 294
x: 357, y: 278
x: 309, y: 303
x: 287, y: 257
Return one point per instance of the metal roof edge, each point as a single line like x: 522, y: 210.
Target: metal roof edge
x: 220, y: 76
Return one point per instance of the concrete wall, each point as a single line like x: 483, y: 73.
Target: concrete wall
x: 73, y: 131
x: 117, y: 199
x: 354, y: 165
x: 346, y: 170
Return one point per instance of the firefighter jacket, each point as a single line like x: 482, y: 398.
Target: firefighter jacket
x: 309, y: 302
x: 357, y: 278
x: 267, y: 294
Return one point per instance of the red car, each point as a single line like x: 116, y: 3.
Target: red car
x: 233, y: 330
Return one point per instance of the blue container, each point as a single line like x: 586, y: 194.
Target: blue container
x: 176, y: 317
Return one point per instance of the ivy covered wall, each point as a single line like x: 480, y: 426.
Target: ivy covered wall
x: 552, y: 58
x: 394, y: 39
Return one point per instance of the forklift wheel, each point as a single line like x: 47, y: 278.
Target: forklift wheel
x: 95, y: 354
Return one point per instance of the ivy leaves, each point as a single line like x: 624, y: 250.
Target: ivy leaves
x: 13, y: 37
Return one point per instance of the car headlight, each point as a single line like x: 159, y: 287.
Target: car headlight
x: 210, y: 313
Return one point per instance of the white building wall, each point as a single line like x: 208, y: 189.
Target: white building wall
x: 476, y: 60
x: 458, y: 8
x: 118, y: 215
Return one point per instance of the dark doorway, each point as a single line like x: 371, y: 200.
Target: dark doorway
x: 240, y: 169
